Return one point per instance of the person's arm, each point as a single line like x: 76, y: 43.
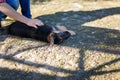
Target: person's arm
x: 9, y: 11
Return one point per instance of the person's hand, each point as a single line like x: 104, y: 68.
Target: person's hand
x: 34, y: 23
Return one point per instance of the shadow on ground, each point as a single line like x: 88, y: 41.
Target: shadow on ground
x: 93, y: 38
x: 87, y: 38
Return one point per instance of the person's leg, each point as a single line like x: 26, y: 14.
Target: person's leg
x: 25, y: 8
x: 12, y: 3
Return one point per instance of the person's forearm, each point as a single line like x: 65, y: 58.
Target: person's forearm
x: 9, y: 11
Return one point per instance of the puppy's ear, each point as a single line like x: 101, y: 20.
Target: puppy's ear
x: 50, y: 38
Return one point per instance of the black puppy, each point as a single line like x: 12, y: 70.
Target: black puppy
x: 43, y: 33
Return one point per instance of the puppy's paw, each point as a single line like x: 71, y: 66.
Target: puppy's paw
x: 71, y: 32
x: 61, y: 28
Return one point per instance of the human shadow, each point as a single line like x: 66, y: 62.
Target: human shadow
x: 87, y: 38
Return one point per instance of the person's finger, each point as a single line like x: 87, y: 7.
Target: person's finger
x: 35, y: 26
x: 39, y: 24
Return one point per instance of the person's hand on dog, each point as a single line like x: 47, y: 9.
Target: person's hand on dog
x: 34, y: 23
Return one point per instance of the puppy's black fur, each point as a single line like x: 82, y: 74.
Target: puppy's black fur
x: 43, y: 33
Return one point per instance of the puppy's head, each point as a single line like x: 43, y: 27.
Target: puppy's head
x: 56, y: 38
x: 61, y: 36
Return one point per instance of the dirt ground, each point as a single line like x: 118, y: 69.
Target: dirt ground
x: 92, y: 54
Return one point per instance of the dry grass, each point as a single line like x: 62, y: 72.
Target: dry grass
x: 93, y: 54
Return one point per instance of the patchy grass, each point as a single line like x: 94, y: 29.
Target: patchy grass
x: 93, y: 54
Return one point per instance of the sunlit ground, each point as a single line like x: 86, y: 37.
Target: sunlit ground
x: 93, y: 54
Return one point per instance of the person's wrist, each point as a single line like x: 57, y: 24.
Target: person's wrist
x: 27, y: 21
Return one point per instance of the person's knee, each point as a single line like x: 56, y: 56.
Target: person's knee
x: 13, y: 3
